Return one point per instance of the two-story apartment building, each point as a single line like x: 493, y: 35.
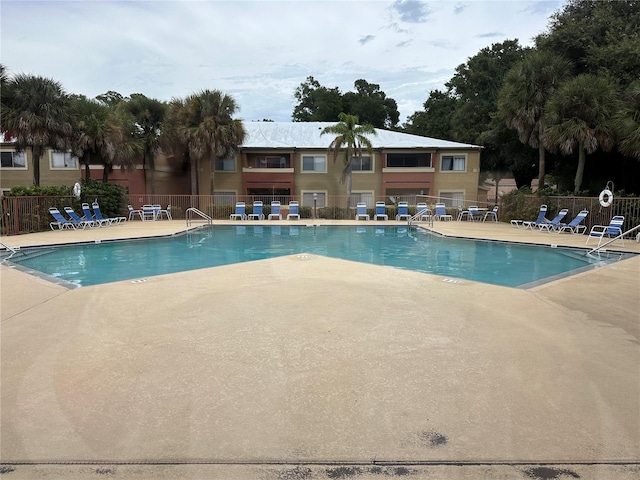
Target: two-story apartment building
x: 290, y: 159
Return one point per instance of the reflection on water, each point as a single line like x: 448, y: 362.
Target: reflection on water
x: 396, y: 246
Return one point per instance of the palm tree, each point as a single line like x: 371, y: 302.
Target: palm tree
x: 149, y: 115
x: 354, y: 137
x: 201, y: 127
x: 628, y: 121
x: 103, y: 132
x: 174, y: 138
x: 527, y: 88
x: 35, y: 116
x: 580, y: 116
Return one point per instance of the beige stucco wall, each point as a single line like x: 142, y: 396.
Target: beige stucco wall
x: 464, y: 181
x: 10, y: 177
x: 171, y: 179
x: 369, y: 181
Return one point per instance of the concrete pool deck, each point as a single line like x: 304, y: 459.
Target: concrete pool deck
x: 310, y: 367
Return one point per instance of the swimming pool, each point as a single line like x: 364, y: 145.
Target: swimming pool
x: 410, y: 248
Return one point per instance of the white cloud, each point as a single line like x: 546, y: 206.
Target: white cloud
x: 258, y: 51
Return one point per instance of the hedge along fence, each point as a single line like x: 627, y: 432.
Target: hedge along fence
x: 30, y: 213
x: 526, y: 207
x: 25, y: 209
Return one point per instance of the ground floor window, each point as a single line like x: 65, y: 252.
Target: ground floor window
x: 269, y: 192
x: 308, y: 197
x: 358, y: 197
x: 452, y: 199
x: 224, y: 198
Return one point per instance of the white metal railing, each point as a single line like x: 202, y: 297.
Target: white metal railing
x: 192, y: 210
x: 11, y: 249
x: 611, y: 240
x: 422, y: 214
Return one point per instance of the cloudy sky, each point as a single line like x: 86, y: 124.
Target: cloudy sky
x: 258, y: 51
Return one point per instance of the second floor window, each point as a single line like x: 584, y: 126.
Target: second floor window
x: 408, y: 160
x: 312, y: 163
x: 13, y: 159
x: 453, y: 163
x: 267, y: 161
x: 362, y: 164
x: 226, y: 164
x: 63, y: 160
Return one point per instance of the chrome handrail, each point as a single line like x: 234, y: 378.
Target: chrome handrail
x: 420, y: 214
x: 611, y: 240
x: 206, y: 217
x: 11, y: 249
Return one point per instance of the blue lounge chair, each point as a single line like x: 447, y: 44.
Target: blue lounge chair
x: 381, y: 211
x: 423, y: 211
x: 493, y: 214
x: 533, y: 223
x: 441, y: 212
x: 239, y: 212
x: 403, y: 211
x: 88, y: 215
x: 275, y: 211
x: 77, y: 220
x: 553, y: 224
x: 60, y: 221
x: 257, y: 211
x: 575, y: 225
x: 612, y: 230
x: 361, y: 211
x: 97, y: 214
x: 294, y: 210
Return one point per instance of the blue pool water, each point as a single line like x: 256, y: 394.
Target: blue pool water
x: 401, y: 247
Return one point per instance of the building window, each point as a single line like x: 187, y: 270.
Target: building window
x: 408, y: 160
x: 452, y: 199
x: 357, y: 197
x: 362, y: 164
x: 224, y: 198
x: 63, y: 160
x: 312, y: 163
x: 267, y: 161
x: 453, y: 163
x: 225, y: 164
x: 307, y: 199
x: 13, y: 159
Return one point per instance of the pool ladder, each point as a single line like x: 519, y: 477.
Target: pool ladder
x: 192, y: 210
x: 10, y: 249
x: 611, y: 240
x: 420, y: 214
x: 13, y: 251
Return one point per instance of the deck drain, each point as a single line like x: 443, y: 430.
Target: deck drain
x: 139, y: 280
x: 451, y: 280
x: 304, y: 257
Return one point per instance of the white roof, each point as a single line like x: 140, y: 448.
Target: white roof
x: 307, y: 135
